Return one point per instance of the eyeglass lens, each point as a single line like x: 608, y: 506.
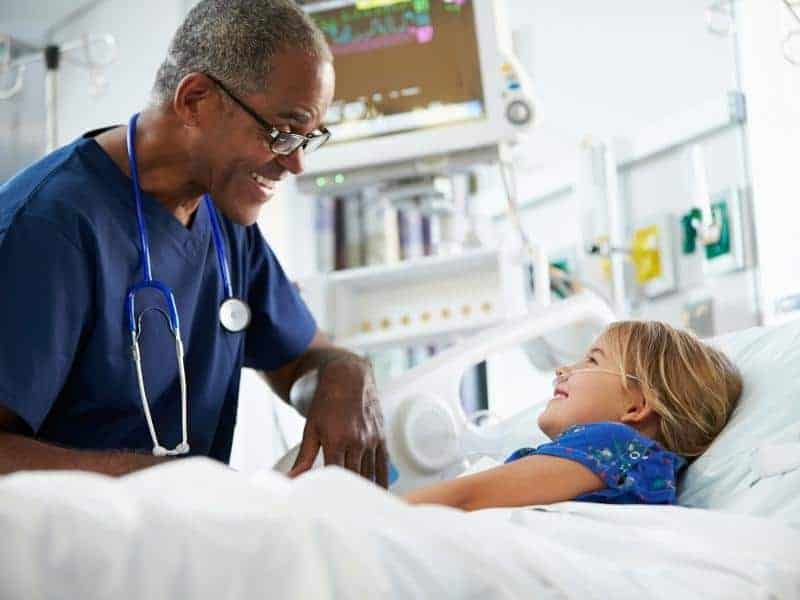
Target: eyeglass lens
x: 287, y: 143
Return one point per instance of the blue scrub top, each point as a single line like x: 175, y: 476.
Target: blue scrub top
x: 69, y: 251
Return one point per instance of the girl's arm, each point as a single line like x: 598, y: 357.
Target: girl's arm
x: 537, y: 479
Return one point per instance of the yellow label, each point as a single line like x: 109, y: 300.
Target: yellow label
x: 646, y: 254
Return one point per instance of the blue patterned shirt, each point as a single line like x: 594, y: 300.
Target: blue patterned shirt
x: 634, y: 468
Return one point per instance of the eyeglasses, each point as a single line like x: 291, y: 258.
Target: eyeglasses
x: 283, y: 143
x: 562, y: 377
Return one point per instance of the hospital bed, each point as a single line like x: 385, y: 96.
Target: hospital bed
x: 196, y: 529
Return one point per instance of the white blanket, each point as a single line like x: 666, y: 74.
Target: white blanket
x: 194, y: 529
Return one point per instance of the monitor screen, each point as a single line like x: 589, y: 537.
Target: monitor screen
x: 401, y: 65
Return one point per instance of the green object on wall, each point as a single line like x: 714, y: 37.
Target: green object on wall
x: 689, y: 231
x: 723, y: 245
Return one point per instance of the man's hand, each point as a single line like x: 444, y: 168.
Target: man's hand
x: 345, y: 420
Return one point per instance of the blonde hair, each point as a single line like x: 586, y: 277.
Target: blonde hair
x: 691, y: 386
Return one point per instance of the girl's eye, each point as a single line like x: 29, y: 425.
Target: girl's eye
x: 591, y: 359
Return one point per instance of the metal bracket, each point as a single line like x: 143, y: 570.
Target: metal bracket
x: 737, y: 103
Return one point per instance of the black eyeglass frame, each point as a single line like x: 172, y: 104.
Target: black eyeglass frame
x: 277, y: 136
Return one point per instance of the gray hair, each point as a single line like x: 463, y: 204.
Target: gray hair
x: 235, y: 41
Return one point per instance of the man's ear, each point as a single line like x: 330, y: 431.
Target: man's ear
x: 194, y: 98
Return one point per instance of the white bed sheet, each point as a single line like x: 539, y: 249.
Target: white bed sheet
x: 194, y: 529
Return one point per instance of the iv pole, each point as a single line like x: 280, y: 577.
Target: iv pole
x: 51, y: 55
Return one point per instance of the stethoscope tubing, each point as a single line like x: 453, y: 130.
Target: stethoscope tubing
x: 144, y: 240
x: 144, y: 245
x: 219, y: 246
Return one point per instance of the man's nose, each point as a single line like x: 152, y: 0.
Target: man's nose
x: 294, y: 162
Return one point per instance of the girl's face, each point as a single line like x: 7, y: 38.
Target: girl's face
x: 586, y: 392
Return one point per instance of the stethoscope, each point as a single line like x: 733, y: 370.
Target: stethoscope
x: 234, y: 314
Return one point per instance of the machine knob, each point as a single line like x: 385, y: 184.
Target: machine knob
x: 519, y: 112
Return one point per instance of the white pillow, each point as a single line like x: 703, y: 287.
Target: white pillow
x: 753, y: 466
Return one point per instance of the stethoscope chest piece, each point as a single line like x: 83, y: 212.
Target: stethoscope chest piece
x: 234, y: 315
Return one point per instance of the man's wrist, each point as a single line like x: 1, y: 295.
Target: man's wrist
x: 344, y: 358
x: 303, y: 389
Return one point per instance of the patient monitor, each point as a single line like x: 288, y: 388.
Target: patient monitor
x: 428, y: 434
x: 415, y: 79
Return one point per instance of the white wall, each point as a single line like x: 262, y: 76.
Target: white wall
x: 612, y: 72
x: 609, y: 69
x: 773, y: 93
x: 143, y: 30
x: 615, y: 71
x: 22, y: 129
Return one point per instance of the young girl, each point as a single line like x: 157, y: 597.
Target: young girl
x: 623, y: 422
